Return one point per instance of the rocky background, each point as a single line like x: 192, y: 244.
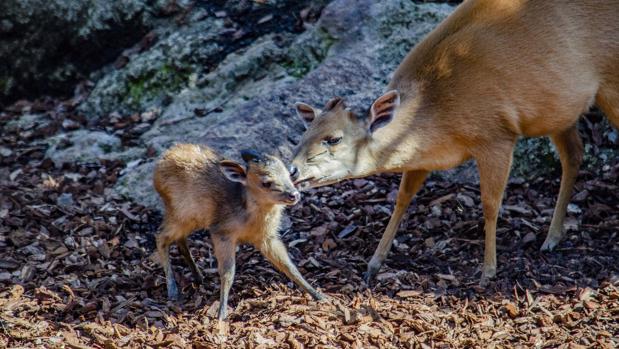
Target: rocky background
x: 225, y: 73
x: 92, y: 92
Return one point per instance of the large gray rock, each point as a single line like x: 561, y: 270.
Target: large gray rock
x: 186, y: 57
x: 238, y: 97
x: 88, y: 146
x: 247, y: 97
x: 46, y: 44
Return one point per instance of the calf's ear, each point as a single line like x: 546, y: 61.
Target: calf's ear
x: 233, y: 171
x: 249, y: 155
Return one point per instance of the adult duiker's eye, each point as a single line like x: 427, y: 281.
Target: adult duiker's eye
x: 294, y: 172
x: 333, y: 140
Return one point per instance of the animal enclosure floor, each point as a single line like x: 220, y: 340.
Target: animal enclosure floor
x: 77, y: 267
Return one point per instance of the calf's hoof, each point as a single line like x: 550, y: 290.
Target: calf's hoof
x: 370, y: 274
x: 173, y: 293
x: 318, y: 296
x: 223, y: 313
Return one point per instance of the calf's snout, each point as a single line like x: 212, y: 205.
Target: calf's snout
x: 293, y: 196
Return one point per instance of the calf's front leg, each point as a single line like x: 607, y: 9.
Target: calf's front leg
x: 225, y: 252
x: 275, y: 251
x: 184, y: 250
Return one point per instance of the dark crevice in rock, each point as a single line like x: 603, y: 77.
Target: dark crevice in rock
x: 250, y: 20
x: 58, y: 45
x: 46, y: 46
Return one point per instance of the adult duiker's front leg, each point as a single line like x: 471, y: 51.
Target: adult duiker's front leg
x: 494, y: 165
x: 409, y: 186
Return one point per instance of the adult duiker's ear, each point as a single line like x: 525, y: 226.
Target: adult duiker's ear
x: 233, y: 171
x: 383, y: 110
x: 335, y: 102
x: 306, y: 112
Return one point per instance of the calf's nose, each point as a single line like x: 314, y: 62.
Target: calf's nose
x: 294, y: 196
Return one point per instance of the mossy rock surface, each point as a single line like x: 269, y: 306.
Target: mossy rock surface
x: 534, y: 157
x: 208, y: 87
x: 246, y: 97
x: 61, y: 41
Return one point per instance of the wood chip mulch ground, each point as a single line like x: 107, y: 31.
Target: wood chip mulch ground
x: 77, y: 268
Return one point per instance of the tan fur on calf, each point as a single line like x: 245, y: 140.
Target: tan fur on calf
x: 200, y: 190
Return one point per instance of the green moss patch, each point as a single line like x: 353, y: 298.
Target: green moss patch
x: 155, y: 83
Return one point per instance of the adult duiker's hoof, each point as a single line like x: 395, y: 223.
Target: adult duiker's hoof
x: 369, y: 276
x: 486, y: 276
x: 550, y: 243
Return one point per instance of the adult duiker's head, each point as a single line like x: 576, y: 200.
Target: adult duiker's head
x: 337, y: 143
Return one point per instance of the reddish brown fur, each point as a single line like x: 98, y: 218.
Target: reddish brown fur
x: 493, y: 71
x: 197, y: 195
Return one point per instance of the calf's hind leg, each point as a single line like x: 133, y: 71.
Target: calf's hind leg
x: 569, y: 146
x: 169, y: 233
x: 184, y: 250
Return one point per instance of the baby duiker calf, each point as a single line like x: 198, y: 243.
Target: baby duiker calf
x: 238, y: 205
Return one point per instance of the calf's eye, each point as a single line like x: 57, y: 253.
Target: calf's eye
x: 266, y: 185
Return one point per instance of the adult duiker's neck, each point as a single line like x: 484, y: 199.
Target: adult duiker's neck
x: 394, y: 147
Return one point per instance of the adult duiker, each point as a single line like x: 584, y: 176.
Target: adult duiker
x: 493, y: 71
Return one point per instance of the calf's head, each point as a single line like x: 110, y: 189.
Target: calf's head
x: 265, y: 177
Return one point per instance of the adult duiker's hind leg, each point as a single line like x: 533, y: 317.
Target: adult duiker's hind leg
x: 607, y: 99
x: 570, y: 149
